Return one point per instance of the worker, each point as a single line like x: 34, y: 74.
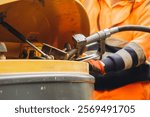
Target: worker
x: 131, y: 49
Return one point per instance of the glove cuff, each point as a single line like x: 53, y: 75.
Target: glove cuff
x: 97, y: 64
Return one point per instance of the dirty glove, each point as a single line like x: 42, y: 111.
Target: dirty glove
x: 96, y: 66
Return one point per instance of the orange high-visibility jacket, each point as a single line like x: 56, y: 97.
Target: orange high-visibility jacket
x: 103, y: 15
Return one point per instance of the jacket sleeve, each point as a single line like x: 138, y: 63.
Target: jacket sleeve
x: 93, y: 9
x: 136, y: 52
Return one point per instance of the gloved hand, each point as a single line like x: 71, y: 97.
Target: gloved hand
x: 96, y: 66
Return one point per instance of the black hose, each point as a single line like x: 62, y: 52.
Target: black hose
x: 134, y: 28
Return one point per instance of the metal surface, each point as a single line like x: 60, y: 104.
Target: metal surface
x: 51, y: 21
x: 46, y: 86
x: 88, y: 57
x: 3, y: 47
x: 79, y: 43
x: 57, y: 53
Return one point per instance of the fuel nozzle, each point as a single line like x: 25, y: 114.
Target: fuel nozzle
x: 81, y: 42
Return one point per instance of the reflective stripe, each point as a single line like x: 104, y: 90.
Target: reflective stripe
x: 139, y: 51
x: 126, y: 58
x: 133, y: 55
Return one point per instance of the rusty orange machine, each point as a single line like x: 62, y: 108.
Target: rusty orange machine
x: 34, y: 68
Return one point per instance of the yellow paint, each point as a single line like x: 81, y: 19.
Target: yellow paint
x: 2, y: 2
x: 26, y: 66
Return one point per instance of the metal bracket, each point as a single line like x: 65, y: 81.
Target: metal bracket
x: 102, y: 48
x: 79, y: 43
